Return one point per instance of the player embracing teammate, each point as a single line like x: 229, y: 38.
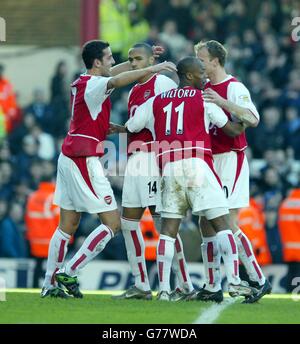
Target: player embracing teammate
x: 230, y: 163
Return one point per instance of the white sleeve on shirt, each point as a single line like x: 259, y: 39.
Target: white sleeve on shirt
x: 143, y: 118
x: 215, y: 115
x: 239, y: 95
x: 96, y: 93
x: 163, y: 84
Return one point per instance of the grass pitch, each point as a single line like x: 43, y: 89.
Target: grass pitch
x: 24, y: 306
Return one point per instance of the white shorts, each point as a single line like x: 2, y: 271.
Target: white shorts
x: 233, y: 170
x: 141, y: 181
x: 191, y: 183
x: 82, y: 186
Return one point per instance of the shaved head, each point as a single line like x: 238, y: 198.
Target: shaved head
x: 191, y: 72
x: 146, y: 47
x: 188, y: 65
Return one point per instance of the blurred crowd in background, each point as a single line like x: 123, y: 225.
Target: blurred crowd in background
x: 262, y: 54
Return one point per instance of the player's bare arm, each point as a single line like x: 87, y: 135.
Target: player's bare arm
x: 116, y: 128
x: 120, y: 68
x: 126, y: 66
x: 127, y: 78
x: 234, y: 129
x: 241, y: 113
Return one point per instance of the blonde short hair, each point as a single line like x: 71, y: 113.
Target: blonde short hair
x: 215, y: 50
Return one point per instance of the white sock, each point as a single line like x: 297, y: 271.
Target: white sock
x: 247, y: 257
x: 212, y: 262
x: 58, y: 248
x: 90, y: 248
x: 179, y: 267
x: 228, y: 250
x: 165, y: 254
x: 135, y: 247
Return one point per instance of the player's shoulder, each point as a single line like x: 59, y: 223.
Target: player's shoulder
x: 160, y: 78
x: 237, y: 85
x: 82, y: 79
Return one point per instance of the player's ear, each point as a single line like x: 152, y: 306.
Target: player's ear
x: 216, y: 61
x: 151, y: 60
x: 189, y: 76
x: 97, y: 63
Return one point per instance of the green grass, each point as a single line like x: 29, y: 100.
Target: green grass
x: 273, y: 309
x: 26, y: 307
x: 29, y: 308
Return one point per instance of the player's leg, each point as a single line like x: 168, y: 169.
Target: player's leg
x: 68, y: 224
x: 229, y: 252
x: 165, y: 254
x: 247, y: 257
x: 179, y: 265
x: 95, y: 242
x: 135, y: 247
x: 139, y: 191
x: 211, y: 256
x: 90, y: 248
x: 90, y: 192
x: 211, y: 202
x: 238, y: 197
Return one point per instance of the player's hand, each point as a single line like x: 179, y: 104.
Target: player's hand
x: 211, y: 96
x: 115, y: 129
x: 157, y: 50
x: 168, y: 66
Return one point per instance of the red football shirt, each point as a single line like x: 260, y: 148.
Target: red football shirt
x: 179, y: 121
x: 138, y: 95
x: 90, y: 106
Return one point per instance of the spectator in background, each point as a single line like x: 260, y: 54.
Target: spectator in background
x: 46, y: 148
x: 8, y: 104
x: 40, y: 110
x: 154, y: 39
x: 273, y: 236
x: 59, y: 100
x: 252, y: 222
x: 270, y: 133
x: 15, y: 139
x: 27, y: 155
x: 12, y: 241
x: 6, y: 177
x: 289, y: 227
x: 42, y: 218
x: 292, y: 130
x: 175, y: 41
x: 179, y: 12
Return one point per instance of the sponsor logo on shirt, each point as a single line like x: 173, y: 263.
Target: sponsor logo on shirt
x: 245, y: 98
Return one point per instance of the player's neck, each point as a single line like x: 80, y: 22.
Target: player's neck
x: 94, y: 72
x: 145, y: 79
x: 218, y: 76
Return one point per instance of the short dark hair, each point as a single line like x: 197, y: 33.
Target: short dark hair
x: 187, y: 64
x: 215, y: 50
x: 93, y: 50
x: 145, y: 46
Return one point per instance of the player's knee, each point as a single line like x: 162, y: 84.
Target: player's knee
x: 114, y: 225
x: 169, y: 231
x: 220, y: 223
x: 69, y: 227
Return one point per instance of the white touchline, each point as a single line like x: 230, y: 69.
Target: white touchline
x: 211, y: 314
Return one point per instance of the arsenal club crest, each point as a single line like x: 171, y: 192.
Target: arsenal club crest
x: 108, y: 199
x: 147, y: 94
